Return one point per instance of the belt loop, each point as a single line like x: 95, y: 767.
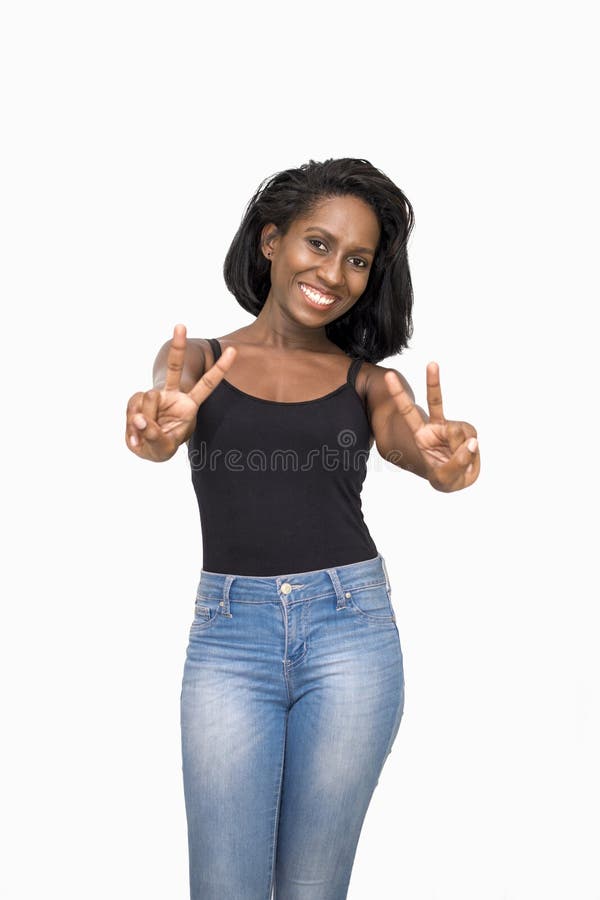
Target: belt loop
x: 229, y: 579
x: 339, y: 591
x: 385, y: 572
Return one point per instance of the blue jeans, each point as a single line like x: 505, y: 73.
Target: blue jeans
x: 292, y: 696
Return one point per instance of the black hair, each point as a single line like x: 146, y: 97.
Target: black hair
x: 379, y: 324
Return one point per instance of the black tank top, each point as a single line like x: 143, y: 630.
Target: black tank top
x: 278, y: 484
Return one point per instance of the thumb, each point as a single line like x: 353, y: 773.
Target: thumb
x: 149, y: 430
x: 456, y: 435
x: 460, y: 459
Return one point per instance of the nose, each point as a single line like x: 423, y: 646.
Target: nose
x: 330, y: 272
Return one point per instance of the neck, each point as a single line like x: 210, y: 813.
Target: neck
x: 274, y: 327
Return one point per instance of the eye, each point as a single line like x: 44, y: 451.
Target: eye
x: 362, y: 263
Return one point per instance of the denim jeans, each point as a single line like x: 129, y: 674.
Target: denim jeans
x: 292, y: 696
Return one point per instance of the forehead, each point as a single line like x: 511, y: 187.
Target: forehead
x: 348, y: 218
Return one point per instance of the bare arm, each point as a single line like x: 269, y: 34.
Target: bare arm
x: 444, y: 451
x: 393, y: 437
x: 158, y: 421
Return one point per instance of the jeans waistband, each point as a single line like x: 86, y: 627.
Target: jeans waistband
x: 294, y: 586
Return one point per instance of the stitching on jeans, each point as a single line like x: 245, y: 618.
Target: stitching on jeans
x: 305, y: 624
x: 387, y: 618
x: 315, y: 597
x: 364, y: 587
x: 277, y: 811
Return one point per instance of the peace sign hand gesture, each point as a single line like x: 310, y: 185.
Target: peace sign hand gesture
x: 158, y: 421
x: 449, y: 450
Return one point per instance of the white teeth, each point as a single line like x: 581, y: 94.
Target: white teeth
x: 316, y: 297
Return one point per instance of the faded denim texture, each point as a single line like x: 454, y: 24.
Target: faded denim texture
x: 292, y: 696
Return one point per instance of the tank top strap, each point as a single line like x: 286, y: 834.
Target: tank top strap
x: 353, y: 370
x: 216, y: 348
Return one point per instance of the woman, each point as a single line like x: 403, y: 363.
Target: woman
x: 293, y: 684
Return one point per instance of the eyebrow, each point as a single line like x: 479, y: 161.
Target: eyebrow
x: 329, y: 235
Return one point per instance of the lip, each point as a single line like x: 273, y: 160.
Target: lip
x: 320, y: 291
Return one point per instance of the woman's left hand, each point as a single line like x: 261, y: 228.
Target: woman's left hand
x: 449, y: 450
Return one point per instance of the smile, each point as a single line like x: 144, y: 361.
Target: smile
x: 316, y: 297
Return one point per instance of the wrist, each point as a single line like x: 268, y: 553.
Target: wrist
x: 436, y: 484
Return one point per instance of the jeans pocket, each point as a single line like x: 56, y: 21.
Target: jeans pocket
x: 373, y: 602
x: 206, y: 613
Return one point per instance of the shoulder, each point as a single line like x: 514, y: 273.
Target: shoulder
x: 197, y: 354
x: 201, y: 349
x: 377, y: 396
x: 374, y: 395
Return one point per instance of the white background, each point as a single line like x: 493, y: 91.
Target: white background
x: 133, y: 136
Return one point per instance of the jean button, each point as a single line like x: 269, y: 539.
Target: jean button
x: 286, y: 588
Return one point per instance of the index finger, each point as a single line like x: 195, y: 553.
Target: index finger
x: 213, y: 376
x: 404, y: 403
x: 434, y: 393
x: 175, y: 358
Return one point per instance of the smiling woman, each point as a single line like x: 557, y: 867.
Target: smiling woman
x: 335, y: 277
x: 365, y: 235
x: 293, y: 679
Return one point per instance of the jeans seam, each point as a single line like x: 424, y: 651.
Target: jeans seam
x: 277, y: 812
x: 389, y: 617
x: 306, y: 631
x: 383, y: 619
x: 364, y: 587
x: 361, y: 587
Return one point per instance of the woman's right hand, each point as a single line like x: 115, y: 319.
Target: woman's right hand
x: 158, y: 421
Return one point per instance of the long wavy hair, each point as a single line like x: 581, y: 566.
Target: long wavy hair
x: 379, y: 324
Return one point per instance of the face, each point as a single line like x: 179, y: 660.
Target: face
x: 321, y: 266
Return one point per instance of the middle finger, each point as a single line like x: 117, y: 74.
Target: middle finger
x: 434, y: 393
x: 175, y: 358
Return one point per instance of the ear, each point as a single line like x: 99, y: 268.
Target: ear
x: 269, y: 240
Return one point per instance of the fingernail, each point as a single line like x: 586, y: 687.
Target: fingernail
x: 472, y: 444
x: 133, y: 440
x: 140, y: 422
